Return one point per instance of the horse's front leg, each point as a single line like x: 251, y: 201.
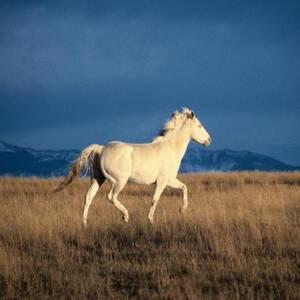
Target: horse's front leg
x: 175, y: 183
x: 160, y: 186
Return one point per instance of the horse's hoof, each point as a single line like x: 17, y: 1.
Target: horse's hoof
x: 182, y: 210
x: 125, y: 218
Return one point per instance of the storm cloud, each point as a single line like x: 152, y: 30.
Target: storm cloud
x: 73, y: 74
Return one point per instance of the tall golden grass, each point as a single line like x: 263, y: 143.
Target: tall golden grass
x: 240, y: 239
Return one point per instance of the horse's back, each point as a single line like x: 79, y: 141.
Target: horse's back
x: 136, y: 162
x: 116, y: 160
x: 140, y: 163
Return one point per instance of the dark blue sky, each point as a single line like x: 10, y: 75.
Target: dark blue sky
x: 72, y: 74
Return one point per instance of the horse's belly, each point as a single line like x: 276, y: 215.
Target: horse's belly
x: 143, y: 173
x: 143, y: 177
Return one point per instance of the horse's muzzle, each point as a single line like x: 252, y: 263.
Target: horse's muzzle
x: 208, y: 142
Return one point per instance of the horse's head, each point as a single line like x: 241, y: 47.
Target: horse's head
x: 198, y: 132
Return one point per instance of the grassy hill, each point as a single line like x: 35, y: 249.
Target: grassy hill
x: 239, y: 239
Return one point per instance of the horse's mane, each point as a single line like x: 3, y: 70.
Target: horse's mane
x: 174, y: 123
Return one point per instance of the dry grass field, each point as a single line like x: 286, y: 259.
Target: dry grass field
x: 239, y: 239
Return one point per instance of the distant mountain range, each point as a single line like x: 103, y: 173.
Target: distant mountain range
x: 201, y: 160
x: 18, y: 161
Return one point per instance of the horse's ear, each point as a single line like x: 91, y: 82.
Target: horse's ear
x: 191, y: 115
x: 174, y: 114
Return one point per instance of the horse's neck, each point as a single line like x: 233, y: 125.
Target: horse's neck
x: 181, y: 140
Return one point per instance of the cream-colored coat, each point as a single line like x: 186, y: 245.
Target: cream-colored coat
x: 156, y: 163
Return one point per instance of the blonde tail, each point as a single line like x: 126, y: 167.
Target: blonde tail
x: 80, y: 163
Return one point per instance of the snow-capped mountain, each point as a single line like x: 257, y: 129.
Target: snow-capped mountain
x: 200, y: 160
x: 18, y: 161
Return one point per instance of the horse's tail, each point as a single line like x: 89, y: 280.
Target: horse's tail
x: 84, y: 161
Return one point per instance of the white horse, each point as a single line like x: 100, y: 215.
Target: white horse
x: 156, y: 163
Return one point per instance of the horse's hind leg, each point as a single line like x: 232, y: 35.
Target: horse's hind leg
x: 117, y: 187
x: 96, y: 183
